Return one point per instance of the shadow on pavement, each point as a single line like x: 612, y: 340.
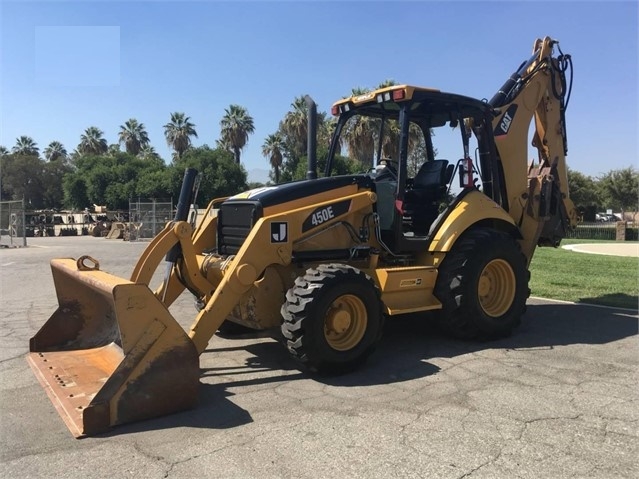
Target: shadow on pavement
x: 214, y: 411
x: 410, y: 341
x: 402, y: 355
x: 615, y: 300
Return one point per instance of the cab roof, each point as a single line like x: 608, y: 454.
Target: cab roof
x: 428, y: 103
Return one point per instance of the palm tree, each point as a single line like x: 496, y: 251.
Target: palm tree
x: 25, y: 146
x: 386, y: 83
x: 92, y: 142
x: 223, y: 144
x: 236, y: 125
x: 390, y: 139
x: 55, y: 151
x: 133, y: 135
x: 272, y: 149
x: 295, y: 125
x: 178, y: 133
x: 326, y: 132
x: 363, y: 134
x: 360, y: 133
x: 3, y: 151
x: 360, y: 137
x: 147, y: 151
x: 113, y: 149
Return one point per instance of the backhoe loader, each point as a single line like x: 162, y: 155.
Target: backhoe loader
x: 326, y: 260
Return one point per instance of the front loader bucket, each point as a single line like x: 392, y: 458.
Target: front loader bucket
x: 111, y: 353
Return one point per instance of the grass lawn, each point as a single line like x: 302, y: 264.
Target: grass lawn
x: 558, y: 273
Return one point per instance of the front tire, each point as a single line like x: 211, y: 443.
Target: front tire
x: 333, y: 318
x: 483, y: 285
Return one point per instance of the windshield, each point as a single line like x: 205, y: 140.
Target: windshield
x: 365, y: 141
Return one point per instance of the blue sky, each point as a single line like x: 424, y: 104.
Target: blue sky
x: 67, y: 65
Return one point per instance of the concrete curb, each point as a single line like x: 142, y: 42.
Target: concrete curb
x: 609, y: 249
x: 561, y: 301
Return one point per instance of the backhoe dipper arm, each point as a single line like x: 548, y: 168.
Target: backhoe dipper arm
x: 537, y: 195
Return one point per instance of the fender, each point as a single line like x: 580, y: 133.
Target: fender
x: 469, y: 209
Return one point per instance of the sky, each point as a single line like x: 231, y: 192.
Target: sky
x: 66, y: 66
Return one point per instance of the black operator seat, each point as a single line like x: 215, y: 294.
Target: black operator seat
x: 430, y: 182
x: 421, y: 202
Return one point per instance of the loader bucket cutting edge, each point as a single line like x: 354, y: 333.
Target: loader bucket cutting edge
x: 111, y: 353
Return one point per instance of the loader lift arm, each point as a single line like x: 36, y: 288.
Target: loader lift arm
x: 112, y: 349
x: 248, y: 265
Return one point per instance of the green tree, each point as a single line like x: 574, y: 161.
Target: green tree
x: 25, y: 146
x: 620, y: 188
x: 114, y: 180
x: 92, y: 142
x: 156, y: 183
x: 133, y: 135
x: 583, y: 190
x: 3, y: 151
x: 178, y: 133
x: 236, y: 126
x: 342, y: 165
x: 53, y: 174
x: 55, y: 151
x: 272, y: 149
x: 74, y: 188
x: 221, y: 175
x: 22, y: 178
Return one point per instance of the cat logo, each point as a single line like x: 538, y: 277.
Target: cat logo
x: 506, y: 121
x: 279, y: 232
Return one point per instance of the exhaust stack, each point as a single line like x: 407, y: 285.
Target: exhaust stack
x: 311, y: 174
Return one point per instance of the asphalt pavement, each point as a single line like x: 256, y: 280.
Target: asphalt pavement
x: 559, y: 398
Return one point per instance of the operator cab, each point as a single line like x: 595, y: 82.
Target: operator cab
x: 401, y: 135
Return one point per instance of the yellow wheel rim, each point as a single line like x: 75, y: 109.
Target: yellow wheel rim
x: 496, y: 288
x: 345, y: 322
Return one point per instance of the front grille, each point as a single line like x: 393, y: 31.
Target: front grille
x: 234, y: 223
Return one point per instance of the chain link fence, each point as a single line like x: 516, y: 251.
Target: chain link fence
x: 614, y: 231
x: 148, y: 217
x: 12, y: 224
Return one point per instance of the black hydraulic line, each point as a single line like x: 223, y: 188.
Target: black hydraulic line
x: 502, y: 96
x: 560, y: 66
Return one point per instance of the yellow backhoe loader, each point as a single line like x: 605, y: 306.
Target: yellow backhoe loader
x: 325, y: 261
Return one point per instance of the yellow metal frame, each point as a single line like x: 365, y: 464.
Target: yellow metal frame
x: 473, y: 208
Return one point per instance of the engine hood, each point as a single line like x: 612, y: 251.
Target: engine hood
x: 277, y: 194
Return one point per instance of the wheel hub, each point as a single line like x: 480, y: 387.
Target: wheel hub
x: 496, y: 287
x: 339, y: 321
x: 345, y: 322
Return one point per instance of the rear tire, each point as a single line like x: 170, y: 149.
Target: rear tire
x: 483, y: 285
x: 333, y: 318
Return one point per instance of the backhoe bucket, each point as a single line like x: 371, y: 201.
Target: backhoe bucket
x: 111, y: 353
